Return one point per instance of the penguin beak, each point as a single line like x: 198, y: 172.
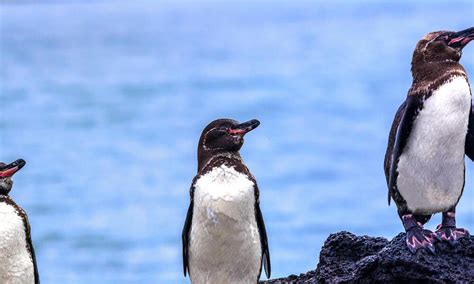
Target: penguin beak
x: 243, y: 128
x: 11, y: 169
x: 460, y: 39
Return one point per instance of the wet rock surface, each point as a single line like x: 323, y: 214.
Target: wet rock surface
x: 346, y: 257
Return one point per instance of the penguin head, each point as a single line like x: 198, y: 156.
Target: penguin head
x: 223, y: 135
x: 6, y: 173
x: 442, y: 46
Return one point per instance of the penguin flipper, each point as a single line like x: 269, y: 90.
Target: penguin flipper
x: 391, y: 140
x: 469, y: 148
x: 263, y: 237
x: 32, y: 250
x: 35, y: 266
x: 406, y: 115
x: 186, y: 231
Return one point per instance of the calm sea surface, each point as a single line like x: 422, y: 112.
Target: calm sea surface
x: 106, y: 101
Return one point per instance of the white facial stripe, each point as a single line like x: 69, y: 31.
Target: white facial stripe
x: 205, y: 138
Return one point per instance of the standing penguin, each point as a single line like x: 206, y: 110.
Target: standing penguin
x: 17, y: 256
x: 224, y: 237
x: 432, y: 131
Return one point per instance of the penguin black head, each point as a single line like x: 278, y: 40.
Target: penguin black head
x: 442, y: 46
x: 223, y: 135
x: 6, y: 173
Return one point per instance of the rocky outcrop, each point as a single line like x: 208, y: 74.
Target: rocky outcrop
x: 347, y: 258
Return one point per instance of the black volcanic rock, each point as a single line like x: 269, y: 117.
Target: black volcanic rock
x: 348, y: 258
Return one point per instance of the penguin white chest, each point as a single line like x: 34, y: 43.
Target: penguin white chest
x: 225, y: 242
x: 16, y: 265
x: 431, y: 168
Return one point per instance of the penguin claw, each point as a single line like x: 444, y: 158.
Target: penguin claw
x: 451, y: 234
x: 419, y: 238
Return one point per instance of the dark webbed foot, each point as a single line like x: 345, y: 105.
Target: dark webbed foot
x: 417, y: 236
x: 451, y: 234
x: 447, y: 231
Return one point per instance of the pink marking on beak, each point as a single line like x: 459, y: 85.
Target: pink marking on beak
x: 237, y: 131
x: 466, y: 40
x: 8, y: 172
x: 454, y: 40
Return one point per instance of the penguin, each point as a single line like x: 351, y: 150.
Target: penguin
x: 431, y: 133
x: 17, y: 255
x: 224, y: 238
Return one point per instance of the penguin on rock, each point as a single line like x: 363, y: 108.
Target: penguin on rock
x: 431, y: 133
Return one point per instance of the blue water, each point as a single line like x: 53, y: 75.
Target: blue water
x: 106, y: 101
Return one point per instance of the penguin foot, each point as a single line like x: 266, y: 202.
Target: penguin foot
x: 419, y: 238
x: 451, y: 234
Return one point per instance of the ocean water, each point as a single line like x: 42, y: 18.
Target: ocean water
x: 105, y: 100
